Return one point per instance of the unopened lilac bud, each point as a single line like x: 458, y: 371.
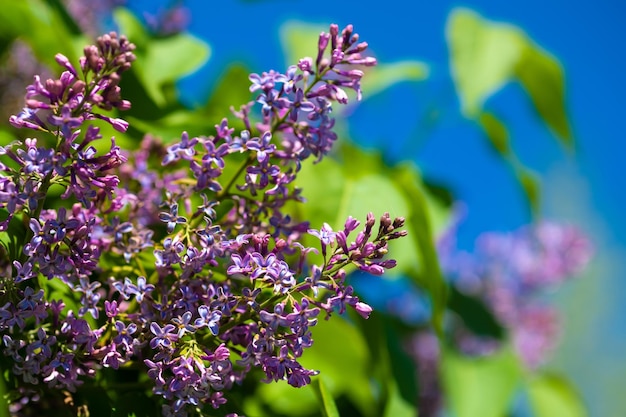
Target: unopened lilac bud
x: 334, y: 31
x: 363, y: 309
x: 63, y: 61
x: 357, y: 49
x: 373, y: 269
x: 346, y: 35
x: 398, y: 222
x: 321, y: 47
x: 78, y: 87
x: 396, y: 235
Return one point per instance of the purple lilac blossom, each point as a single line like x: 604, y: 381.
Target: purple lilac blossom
x: 199, y: 270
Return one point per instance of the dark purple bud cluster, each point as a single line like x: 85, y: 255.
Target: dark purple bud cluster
x: 181, y: 260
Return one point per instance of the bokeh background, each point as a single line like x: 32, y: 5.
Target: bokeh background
x: 584, y: 188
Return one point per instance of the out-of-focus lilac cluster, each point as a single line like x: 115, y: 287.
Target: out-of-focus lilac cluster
x: 180, y: 260
x: 509, y: 273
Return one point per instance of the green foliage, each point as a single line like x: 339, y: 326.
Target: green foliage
x: 480, y: 386
x: 23, y: 17
x: 326, y: 400
x: 552, y: 395
x: 161, y: 61
x: 485, y: 55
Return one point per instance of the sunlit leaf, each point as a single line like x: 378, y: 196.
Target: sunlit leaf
x: 531, y: 185
x: 542, y: 77
x: 299, y: 40
x: 171, y: 58
x: 496, y: 133
x: 552, y: 395
x: 161, y: 61
x: 485, y: 55
x: 480, y: 386
x: 383, y: 76
x: 130, y: 26
x: 18, y: 19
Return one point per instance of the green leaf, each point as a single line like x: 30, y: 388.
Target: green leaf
x: 485, y: 55
x: 328, y: 403
x: 161, y: 61
x: 542, y: 77
x: 4, y: 404
x: 383, y: 76
x: 131, y: 27
x: 474, y: 314
x: 552, y: 395
x: 480, y: 386
x: 171, y: 58
x: 531, y: 186
x: 21, y: 18
x: 396, y: 405
x: 341, y: 355
x: 420, y: 228
x: 496, y: 133
x: 299, y: 40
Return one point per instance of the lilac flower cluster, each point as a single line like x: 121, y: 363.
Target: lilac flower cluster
x: 181, y: 260
x: 508, y: 273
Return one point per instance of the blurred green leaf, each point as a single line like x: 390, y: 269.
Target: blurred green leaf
x: 542, y: 77
x: 496, y: 133
x: 299, y: 40
x: 341, y: 355
x: 171, y: 58
x: 396, y: 405
x: 498, y: 136
x: 552, y: 395
x: 485, y: 55
x: 480, y: 386
x: 131, y: 27
x: 33, y: 21
x: 474, y: 314
x: 327, y: 402
x: 420, y: 228
x: 161, y: 61
x: 232, y: 89
x: 13, y: 238
x: 531, y: 185
x: 383, y: 76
